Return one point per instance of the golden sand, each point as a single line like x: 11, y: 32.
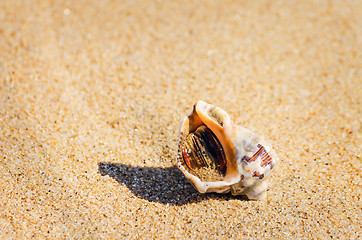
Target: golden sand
x: 92, y: 94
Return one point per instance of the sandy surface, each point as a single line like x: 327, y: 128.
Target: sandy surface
x: 92, y: 95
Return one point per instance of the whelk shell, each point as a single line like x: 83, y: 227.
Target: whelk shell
x: 216, y: 155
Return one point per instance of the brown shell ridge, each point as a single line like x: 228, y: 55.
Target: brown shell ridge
x: 263, y: 154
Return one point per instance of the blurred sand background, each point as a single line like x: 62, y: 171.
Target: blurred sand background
x: 92, y: 94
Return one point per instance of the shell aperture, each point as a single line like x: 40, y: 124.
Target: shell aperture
x: 203, y: 154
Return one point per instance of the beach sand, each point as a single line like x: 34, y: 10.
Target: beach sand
x: 92, y: 94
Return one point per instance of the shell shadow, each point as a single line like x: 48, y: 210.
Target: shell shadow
x: 163, y: 185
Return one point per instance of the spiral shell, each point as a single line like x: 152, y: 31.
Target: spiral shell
x: 216, y: 155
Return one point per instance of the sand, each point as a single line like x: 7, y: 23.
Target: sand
x: 92, y: 94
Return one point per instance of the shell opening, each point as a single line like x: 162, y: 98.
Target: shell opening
x: 203, y: 155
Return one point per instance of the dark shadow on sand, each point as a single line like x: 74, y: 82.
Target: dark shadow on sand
x: 164, y: 185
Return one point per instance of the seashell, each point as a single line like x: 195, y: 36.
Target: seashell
x: 216, y: 155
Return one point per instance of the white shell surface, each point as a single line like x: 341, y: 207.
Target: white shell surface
x: 249, y: 158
